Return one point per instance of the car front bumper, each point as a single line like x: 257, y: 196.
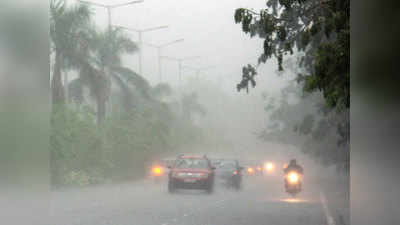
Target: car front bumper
x: 191, y: 183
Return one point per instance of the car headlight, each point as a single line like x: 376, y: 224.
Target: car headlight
x: 250, y: 170
x: 157, y: 171
x: 269, y: 166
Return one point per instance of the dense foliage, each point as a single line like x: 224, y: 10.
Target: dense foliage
x: 114, y: 121
x: 319, y: 28
x: 318, y: 31
x: 83, y: 153
x: 309, y: 124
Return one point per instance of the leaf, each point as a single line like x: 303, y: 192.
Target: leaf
x: 282, y: 33
x: 239, y: 15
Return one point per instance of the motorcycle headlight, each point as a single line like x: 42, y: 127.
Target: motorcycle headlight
x: 293, y: 177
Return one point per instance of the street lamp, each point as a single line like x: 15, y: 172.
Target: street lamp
x: 140, y: 31
x: 109, y: 7
x: 159, y: 48
x: 180, y: 60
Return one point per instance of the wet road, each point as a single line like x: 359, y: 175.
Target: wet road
x: 260, y: 202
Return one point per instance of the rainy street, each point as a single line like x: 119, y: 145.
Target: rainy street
x: 261, y: 201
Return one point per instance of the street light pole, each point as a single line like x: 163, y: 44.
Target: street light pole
x: 159, y: 51
x: 109, y: 7
x: 140, y: 31
x: 109, y: 18
x: 180, y: 60
x: 140, y: 52
x: 159, y: 64
x: 180, y: 72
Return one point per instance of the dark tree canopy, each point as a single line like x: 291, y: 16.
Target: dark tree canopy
x: 318, y: 28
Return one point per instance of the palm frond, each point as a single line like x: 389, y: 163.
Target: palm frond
x: 162, y: 89
x: 134, y: 79
x: 97, y: 81
x: 67, y: 26
x: 127, y: 94
x: 108, y: 46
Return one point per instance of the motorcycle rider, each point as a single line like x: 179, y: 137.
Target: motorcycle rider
x: 293, y: 166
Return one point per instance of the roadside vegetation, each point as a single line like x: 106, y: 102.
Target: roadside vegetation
x: 107, y: 121
x: 313, y: 38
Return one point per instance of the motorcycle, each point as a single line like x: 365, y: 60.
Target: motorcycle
x: 293, y: 183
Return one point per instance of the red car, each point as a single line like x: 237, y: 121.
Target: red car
x: 191, y: 172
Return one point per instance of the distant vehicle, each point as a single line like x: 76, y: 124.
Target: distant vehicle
x: 293, y: 177
x: 253, y: 168
x: 191, y: 172
x: 250, y: 171
x: 259, y: 170
x: 293, y: 181
x: 229, y: 172
x: 269, y: 167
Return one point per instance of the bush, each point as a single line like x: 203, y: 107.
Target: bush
x: 84, y: 153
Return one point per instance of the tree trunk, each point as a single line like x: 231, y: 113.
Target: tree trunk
x: 57, y: 88
x: 101, y: 111
x: 66, y: 85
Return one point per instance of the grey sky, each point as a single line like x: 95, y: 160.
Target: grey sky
x: 208, y: 29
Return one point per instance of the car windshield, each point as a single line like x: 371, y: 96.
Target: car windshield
x: 192, y: 163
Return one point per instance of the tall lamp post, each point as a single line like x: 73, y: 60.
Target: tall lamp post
x: 180, y: 60
x: 159, y: 49
x: 110, y: 7
x: 140, y: 32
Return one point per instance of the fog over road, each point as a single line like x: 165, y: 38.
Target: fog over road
x: 262, y: 200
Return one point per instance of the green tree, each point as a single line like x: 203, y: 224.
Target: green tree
x: 103, y: 68
x: 308, y: 123
x: 66, y: 24
x: 319, y: 28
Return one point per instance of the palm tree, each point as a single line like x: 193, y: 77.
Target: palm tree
x: 66, y: 23
x: 103, y: 68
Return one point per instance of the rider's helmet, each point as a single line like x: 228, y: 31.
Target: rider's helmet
x: 293, y: 162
